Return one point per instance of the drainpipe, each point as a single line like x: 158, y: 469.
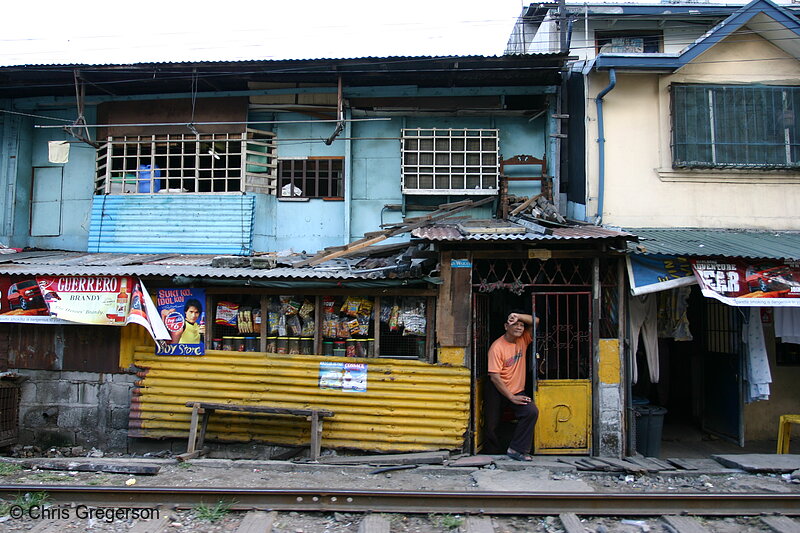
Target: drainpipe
x: 612, y: 82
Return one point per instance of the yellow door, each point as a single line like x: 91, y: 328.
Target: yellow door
x: 565, y: 417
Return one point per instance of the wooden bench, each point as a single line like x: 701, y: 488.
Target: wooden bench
x: 196, y: 440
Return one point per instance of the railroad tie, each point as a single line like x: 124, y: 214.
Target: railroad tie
x: 477, y: 524
x: 373, y: 523
x: 781, y: 524
x: 257, y: 522
x: 571, y: 523
x: 684, y: 524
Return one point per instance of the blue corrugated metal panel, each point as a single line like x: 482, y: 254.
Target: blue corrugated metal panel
x: 178, y: 223
x: 696, y: 242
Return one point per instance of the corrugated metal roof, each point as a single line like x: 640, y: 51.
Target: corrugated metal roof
x: 55, y: 263
x: 442, y: 232
x: 717, y: 242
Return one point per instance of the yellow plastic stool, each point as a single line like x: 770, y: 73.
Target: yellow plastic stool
x: 784, y: 430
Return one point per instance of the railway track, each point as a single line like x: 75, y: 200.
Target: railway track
x: 257, y: 510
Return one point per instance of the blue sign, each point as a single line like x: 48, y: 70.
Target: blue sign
x: 460, y: 263
x: 653, y: 273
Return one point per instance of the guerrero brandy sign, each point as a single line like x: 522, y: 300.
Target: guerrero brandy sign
x: 742, y: 283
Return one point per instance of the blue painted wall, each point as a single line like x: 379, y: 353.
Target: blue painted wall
x: 373, y: 154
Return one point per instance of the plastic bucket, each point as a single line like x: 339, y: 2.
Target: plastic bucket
x: 649, y: 427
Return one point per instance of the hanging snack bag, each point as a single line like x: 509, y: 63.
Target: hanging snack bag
x: 306, y: 310
x: 386, y: 311
x: 293, y: 325
x: 257, y: 320
x: 308, y: 328
x: 281, y: 325
x: 363, y: 325
x: 289, y: 306
x: 227, y: 314
x: 365, y: 308
x: 343, y: 331
x: 394, y: 318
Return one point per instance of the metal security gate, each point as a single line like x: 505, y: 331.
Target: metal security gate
x: 723, y: 370
x: 563, y: 373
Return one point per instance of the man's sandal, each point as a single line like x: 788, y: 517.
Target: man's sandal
x: 517, y: 456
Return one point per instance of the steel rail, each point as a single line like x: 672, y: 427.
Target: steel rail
x: 491, y: 503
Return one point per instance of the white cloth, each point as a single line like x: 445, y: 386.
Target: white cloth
x: 58, y: 151
x: 644, y: 318
x: 787, y: 324
x: 758, y: 375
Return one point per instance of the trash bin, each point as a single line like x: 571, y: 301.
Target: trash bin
x: 649, y: 425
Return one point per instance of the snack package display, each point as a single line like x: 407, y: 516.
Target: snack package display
x: 227, y: 314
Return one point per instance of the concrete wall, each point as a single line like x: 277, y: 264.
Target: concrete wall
x: 75, y: 409
x: 761, y: 418
x: 642, y: 189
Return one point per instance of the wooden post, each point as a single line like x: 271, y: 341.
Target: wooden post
x: 316, y: 433
x: 203, y: 426
x: 193, y: 428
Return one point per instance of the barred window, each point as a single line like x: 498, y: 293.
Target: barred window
x: 449, y: 161
x: 735, y: 126
x: 311, y: 177
x: 187, y: 163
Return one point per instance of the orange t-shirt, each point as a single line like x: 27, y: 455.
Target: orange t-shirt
x: 508, y: 360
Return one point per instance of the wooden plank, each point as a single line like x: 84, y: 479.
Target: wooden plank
x: 151, y: 526
x: 647, y: 464
x: 781, y: 524
x: 257, y: 522
x: 663, y: 464
x: 190, y: 447
x: 684, y: 524
x: 316, y: 436
x: 477, y: 524
x: 622, y: 465
x: 431, y: 458
x: 680, y: 463
x: 260, y: 409
x: 571, y: 522
x: 373, y: 523
x: 524, y: 204
x: 94, y: 466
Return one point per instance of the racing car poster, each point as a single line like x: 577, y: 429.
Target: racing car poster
x: 749, y: 283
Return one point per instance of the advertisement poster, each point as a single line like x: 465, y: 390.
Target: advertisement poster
x: 21, y: 297
x: 347, y: 377
x: 654, y: 273
x: 750, y: 283
x: 184, y: 317
x: 98, y: 300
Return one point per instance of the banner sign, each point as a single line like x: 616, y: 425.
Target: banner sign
x: 184, y: 317
x: 750, y: 284
x: 97, y: 300
x: 347, y: 377
x: 653, y: 273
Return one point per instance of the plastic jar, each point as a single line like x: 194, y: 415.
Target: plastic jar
x: 227, y: 343
x: 272, y: 344
x: 327, y: 348
x: 294, y: 346
x: 240, y: 344
x: 216, y: 344
x: 350, y: 348
x: 361, y: 347
x: 370, y: 347
x: 251, y: 344
x: 282, y: 345
x: 339, y: 349
x: 307, y: 345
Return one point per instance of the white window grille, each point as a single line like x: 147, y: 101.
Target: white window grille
x: 187, y: 163
x: 450, y: 161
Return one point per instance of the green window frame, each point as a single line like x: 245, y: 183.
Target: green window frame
x: 735, y: 126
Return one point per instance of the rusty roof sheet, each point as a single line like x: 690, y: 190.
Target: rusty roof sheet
x: 449, y: 232
x: 60, y: 263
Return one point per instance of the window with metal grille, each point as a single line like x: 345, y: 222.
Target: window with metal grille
x: 628, y: 42
x: 449, y: 161
x: 311, y: 178
x: 187, y: 163
x: 735, y: 126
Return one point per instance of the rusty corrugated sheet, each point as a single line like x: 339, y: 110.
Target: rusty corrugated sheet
x: 452, y: 233
x: 58, y: 347
x: 408, y: 405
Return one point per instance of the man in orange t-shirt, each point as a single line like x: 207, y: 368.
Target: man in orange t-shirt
x: 506, y: 387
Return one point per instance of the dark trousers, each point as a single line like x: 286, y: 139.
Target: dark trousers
x: 526, y: 415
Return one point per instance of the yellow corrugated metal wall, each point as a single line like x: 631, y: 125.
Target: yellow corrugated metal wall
x: 408, y: 405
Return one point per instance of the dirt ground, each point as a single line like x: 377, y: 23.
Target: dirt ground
x: 545, y: 474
